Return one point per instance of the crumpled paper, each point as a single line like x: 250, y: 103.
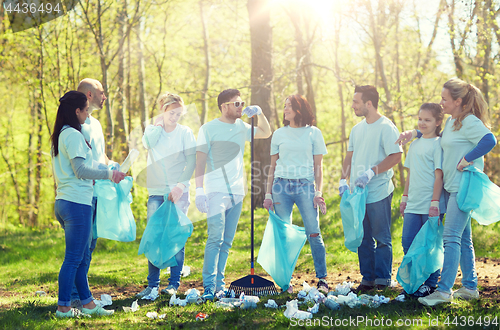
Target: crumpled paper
x: 174, y: 301
x: 154, y: 315
x: 292, y: 310
x: 106, y: 300
x: 152, y: 296
x: 342, y: 289
x: 133, y: 308
x: 271, y: 304
x: 314, y: 309
x: 350, y: 300
x: 192, y: 295
x: 400, y: 298
x: 244, y: 298
x: 373, y: 301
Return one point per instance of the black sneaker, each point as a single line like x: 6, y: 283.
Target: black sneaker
x: 363, y: 288
x: 323, y: 286
x: 423, y: 291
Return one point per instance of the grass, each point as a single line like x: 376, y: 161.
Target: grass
x: 30, y: 260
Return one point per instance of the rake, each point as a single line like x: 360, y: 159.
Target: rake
x: 252, y: 284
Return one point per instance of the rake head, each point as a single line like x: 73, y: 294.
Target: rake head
x: 253, y: 285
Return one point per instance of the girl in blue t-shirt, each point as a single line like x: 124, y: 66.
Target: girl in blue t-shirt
x: 171, y: 162
x: 72, y: 168
x: 466, y: 138
x: 424, y: 183
x: 297, y: 151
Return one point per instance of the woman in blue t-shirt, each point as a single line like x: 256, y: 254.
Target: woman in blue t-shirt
x: 465, y: 140
x: 72, y: 168
x: 297, y: 151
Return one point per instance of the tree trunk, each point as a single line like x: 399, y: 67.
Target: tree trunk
x: 343, y: 144
x: 261, y: 81
x: 206, y: 50
x: 143, y: 107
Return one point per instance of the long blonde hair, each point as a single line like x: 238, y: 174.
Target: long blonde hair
x: 472, y: 101
x: 167, y: 99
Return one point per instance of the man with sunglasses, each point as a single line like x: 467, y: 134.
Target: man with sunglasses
x: 220, y: 147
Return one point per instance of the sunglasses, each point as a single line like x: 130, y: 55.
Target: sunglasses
x: 237, y: 104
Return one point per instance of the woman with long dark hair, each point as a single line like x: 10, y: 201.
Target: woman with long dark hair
x: 72, y: 168
x: 297, y: 151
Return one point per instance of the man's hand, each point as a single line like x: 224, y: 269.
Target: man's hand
x: 363, y: 180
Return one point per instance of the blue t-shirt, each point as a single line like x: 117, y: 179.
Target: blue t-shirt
x: 296, y: 148
x: 167, y: 157
x: 224, y: 145
x: 456, y: 144
x: 424, y: 157
x: 71, y: 145
x: 371, y: 144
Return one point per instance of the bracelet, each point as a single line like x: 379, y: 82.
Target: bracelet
x: 318, y: 193
x: 404, y: 199
x: 268, y: 196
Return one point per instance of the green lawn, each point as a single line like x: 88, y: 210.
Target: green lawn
x: 30, y: 260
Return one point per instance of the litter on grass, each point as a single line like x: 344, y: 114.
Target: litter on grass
x: 131, y: 309
x: 292, y: 311
x: 271, y: 304
x: 192, y: 295
x: 154, y: 315
x: 106, y: 300
x: 174, y: 301
x: 40, y: 294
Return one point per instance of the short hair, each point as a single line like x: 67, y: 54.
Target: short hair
x: 303, y: 111
x: 369, y: 93
x: 226, y: 96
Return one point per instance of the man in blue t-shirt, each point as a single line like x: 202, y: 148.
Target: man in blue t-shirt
x: 369, y: 160
x: 220, y: 148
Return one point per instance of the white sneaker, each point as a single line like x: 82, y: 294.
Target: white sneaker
x: 435, y: 298
x: 466, y: 294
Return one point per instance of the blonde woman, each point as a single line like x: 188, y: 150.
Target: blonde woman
x: 171, y: 162
x: 465, y: 140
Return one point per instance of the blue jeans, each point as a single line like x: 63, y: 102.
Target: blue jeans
x: 222, y: 220
x: 375, y: 261
x: 92, y: 243
x: 458, y: 248
x: 287, y: 192
x: 411, y: 226
x: 75, y: 219
x: 154, y: 202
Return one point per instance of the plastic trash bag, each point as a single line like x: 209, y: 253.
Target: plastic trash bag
x: 114, y: 218
x: 352, y: 211
x: 424, y: 257
x: 165, y: 235
x: 280, y: 249
x: 479, y: 195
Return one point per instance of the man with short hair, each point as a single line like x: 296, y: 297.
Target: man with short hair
x: 92, y: 131
x: 369, y: 160
x: 220, y: 148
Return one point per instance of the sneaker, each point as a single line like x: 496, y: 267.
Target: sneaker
x: 73, y: 312
x: 435, y: 298
x: 98, y: 311
x: 466, y: 294
x: 207, y: 295
x: 77, y: 303
x: 322, y: 286
x: 363, y: 288
x: 171, y: 290
x: 144, y: 292
x: 423, y: 291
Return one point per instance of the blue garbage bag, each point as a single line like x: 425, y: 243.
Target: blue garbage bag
x: 280, y: 249
x: 424, y: 257
x: 352, y: 211
x: 165, y: 235
x: 114, y: 218
x: 479, y: 195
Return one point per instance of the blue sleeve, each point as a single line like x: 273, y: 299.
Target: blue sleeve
x: 483, y: 147
x: 419, y: 134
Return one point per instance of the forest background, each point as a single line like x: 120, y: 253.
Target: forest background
x: 268, y: 49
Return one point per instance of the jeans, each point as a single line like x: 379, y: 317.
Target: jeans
x: 154, y: 202
x: 222, y: 219
x: 75, y: 219
x: 458, y: 248
x: 411, y: 226
x: 287, y: 192
x: 375, y: 261
x: 92, y: 244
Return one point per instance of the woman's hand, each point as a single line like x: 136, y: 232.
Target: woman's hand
x: 176, y: 193
x: 402, y: 205
x: 434, y: 209
x: 268, y: 202
x: 319, y: 201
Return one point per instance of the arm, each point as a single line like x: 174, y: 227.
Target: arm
x: 346, y: 166
x: 404, y: 198
x: 263, y: 130
x: 176, y: 192
x: 88, y: 173
x: 318, y: 178
x: 484, y: 146
x: 388, y: 163
x: 268, y: 199
x: 201, y: 162
x: 436, y: 194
